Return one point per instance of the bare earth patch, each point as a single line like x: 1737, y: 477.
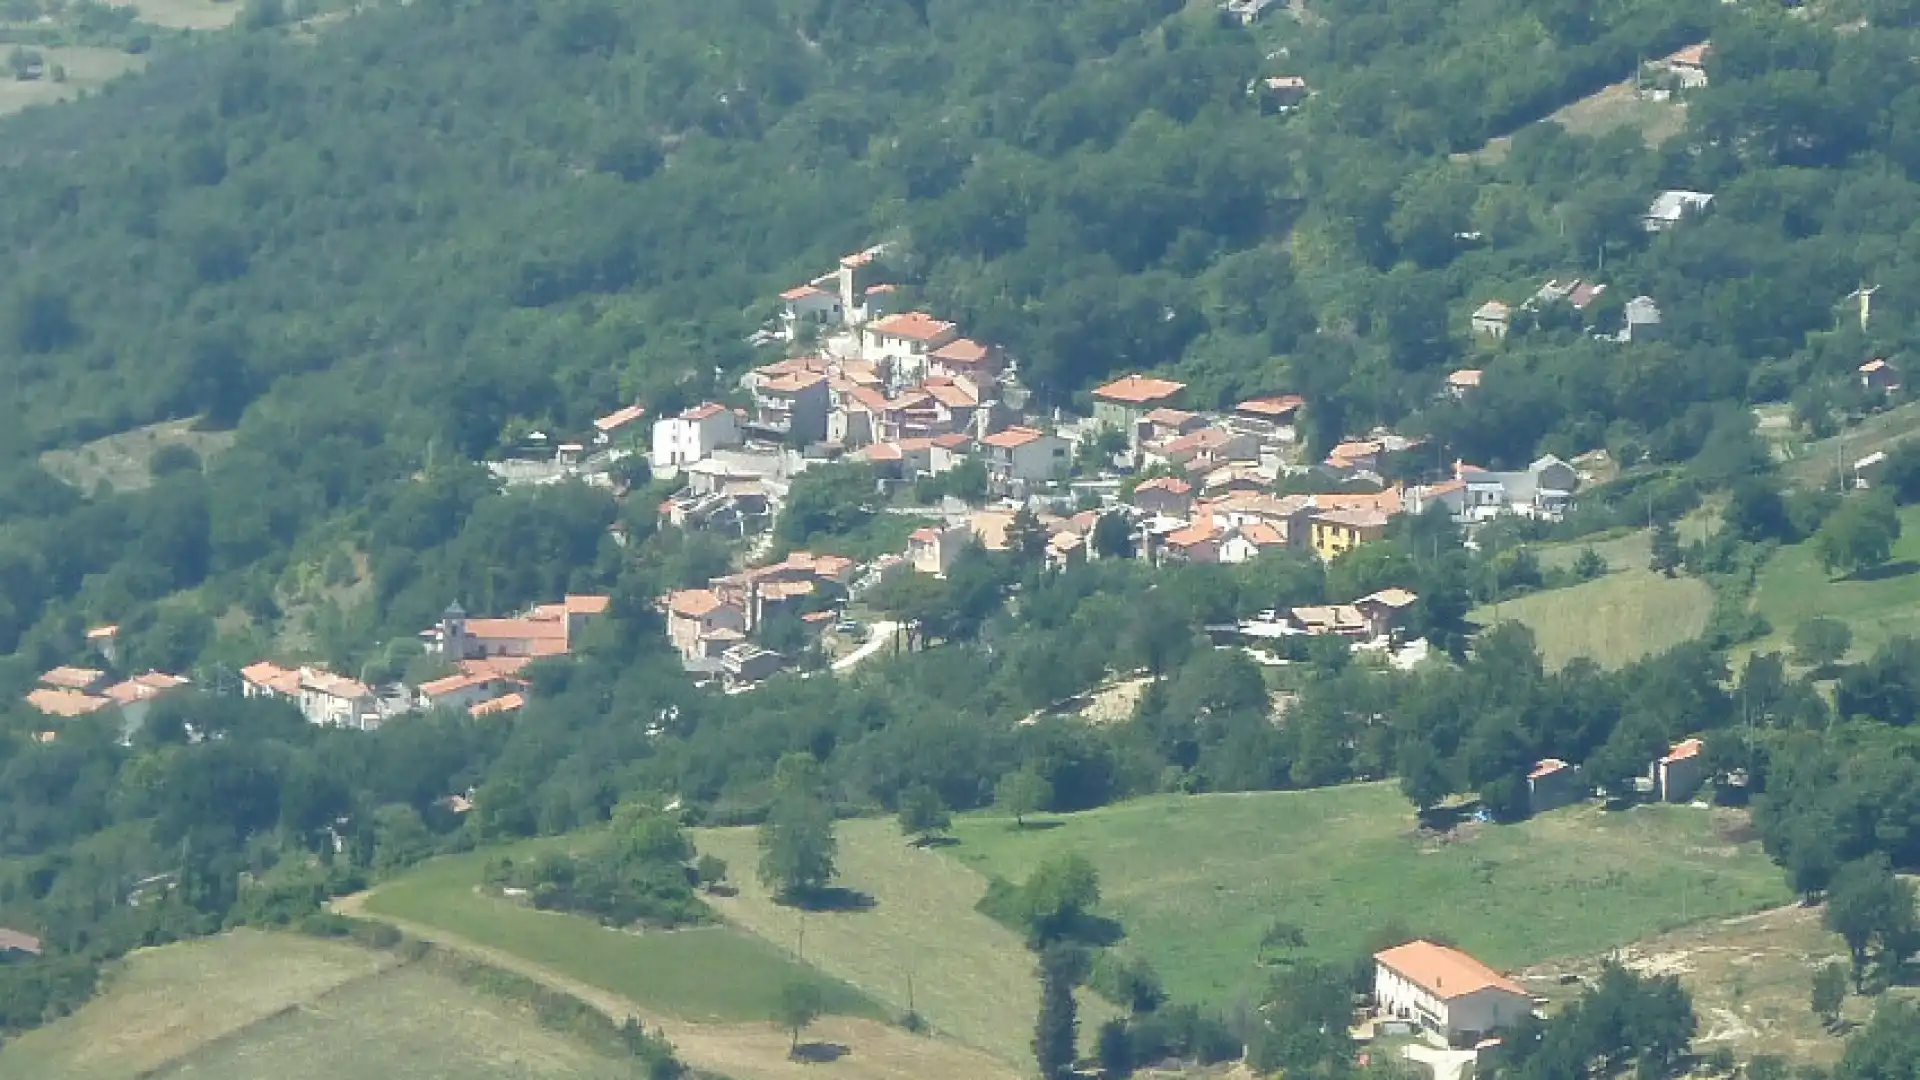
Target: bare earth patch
x: 185, y: 14
x: 87, y: 68
x: 123, y: 460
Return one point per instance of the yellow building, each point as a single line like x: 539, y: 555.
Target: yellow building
x: 1335, y: 531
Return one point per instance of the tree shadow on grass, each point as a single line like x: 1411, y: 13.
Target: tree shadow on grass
x: 1885, y: 571
x: 833, y: 898
x: 1037, y: 825
x: 818, y: 1053
x: 937, y: 842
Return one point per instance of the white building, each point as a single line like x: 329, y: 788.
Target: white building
x: 1446, y: 991
x: 905, y: 341
x: 693, y: 435
x: 1669, y: 208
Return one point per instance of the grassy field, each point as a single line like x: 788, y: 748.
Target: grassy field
x: 248, y: 1004
x: 1611, y: 107
x: 1629, y: 613
x: 1197, y: 880
x: 971, y: 978
x: 707, y: 974
x: 87, y: 68
x: 122, y: 460
x: 1749, y: 977
x: 1794, y: 588
x: 185, y: 14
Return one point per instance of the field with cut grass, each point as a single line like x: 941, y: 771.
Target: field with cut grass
x: 971, y: 978
x: 248, y: 1005
x: 1629, y: 613
x: 185, y: 14
x: 87, y: 67
x: 1877, y: 605
x: 123, y: 460
x: 1196, y: 880
x: 705, y: 974
x: 1811, y: 464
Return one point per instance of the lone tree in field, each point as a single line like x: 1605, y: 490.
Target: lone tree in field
x: 710, y: 870
x: 1021, y: 793
x: 1874, y: 912
x: 1820, y: 642
x: 1859, y: 535
x: 1666, y: 549
x: 922, y: 815
x: 797, y: 847
x: 801, y: 1003
x: 1829, y: 993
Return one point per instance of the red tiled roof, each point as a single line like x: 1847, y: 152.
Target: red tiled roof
x: 1546, y: 767
x: 1191, y: 535
x: 1168, y: 484
x: 1683, y: 750
x: 72, y: 678
x: 1445, y: 973
x: 693, y: 603
x: 508, y: 703
x: 1465, y: 378
x: 65, y: 703
x: 1012, y: 438
x: 619, y: 418
x: 587, y: 604
x: 800, y: 292
x: 961, y: 351
x: 706, y: 411
x: 913, y: 326
x: 1277, y: 407
x: 1139, y: 389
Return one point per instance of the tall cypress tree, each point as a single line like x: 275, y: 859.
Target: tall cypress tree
x: 1056, y: 1033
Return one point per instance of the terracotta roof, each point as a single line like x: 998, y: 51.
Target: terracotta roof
x: 15, y: 941
x: 1196, y: 442
x: 142, y: 687
x: 101, y: 633
x: 1139, y: 389
x: 1393, y: 598
x: 705, y: 411
x: 1353, y: 519
x: 1064, y: 542
x: 1168, y: 484
x: 952, y: 396
x: 1166, y: 417
x: 913, y: 326
x: 1682, y: 750
x: 325, y: 682
x: 1276, y: 407
x: 882, y: 452
x: 1012, y: 438
x: 1191, y: 535
x: 517, y: 629
x: 952, y: 440
x: 1545, y: 768
x: 272, y: 676
x: 508, y: 703
x: 1874, y: 365
x: 962, y: 351
x: 1445, y: 973
x: 868, y: 398
x: 65, y: 703
x: 72, y: 678
x: 495, y: 667
x: 862, y: 258
x: 586, y: 604
x: 1692, y: 55
x: 1465, y: 377
x: 926, y: 534
x: 1286, y: 82
x: 693, y: 603
x: 816, y: 618
x: 1492, y: 309
x: 801, y: 292
x: 1389, y: 501
x: 881, y: 289
x: 1358, y: 448
x: 452, y: 684
x: 1261, y: 534
x: 793, y: 382
x: 620, y: 418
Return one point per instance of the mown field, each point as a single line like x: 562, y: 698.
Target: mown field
x: 712, y: 974
x: 1629, y: 613
x: 1794, y: 588
x: 1197, y: 880
x: 249, y: 1005
x: 920, y: 942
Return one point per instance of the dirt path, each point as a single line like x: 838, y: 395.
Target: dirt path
x: 867, y: 1050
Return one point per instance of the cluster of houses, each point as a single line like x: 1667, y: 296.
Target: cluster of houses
x: 712, y: 628
x: 484, y: 659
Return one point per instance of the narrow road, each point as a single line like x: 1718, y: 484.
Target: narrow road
x: 746, y: 1051
x: 882, y: 634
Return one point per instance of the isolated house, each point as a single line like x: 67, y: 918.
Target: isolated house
x: 1678, y: 773
x: 1279, y: 93
x: 1642, y: 321
x: 1446, y: 992
x: 1689, y: 65
x: 1463, y: 382
x: 1879, y: 376
x: 1491, y: 319
x: 1387, y: 610
x: 136, y: 696
x: 1552, y: 784
x: 14, y: 943
x: 1670, y: 208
